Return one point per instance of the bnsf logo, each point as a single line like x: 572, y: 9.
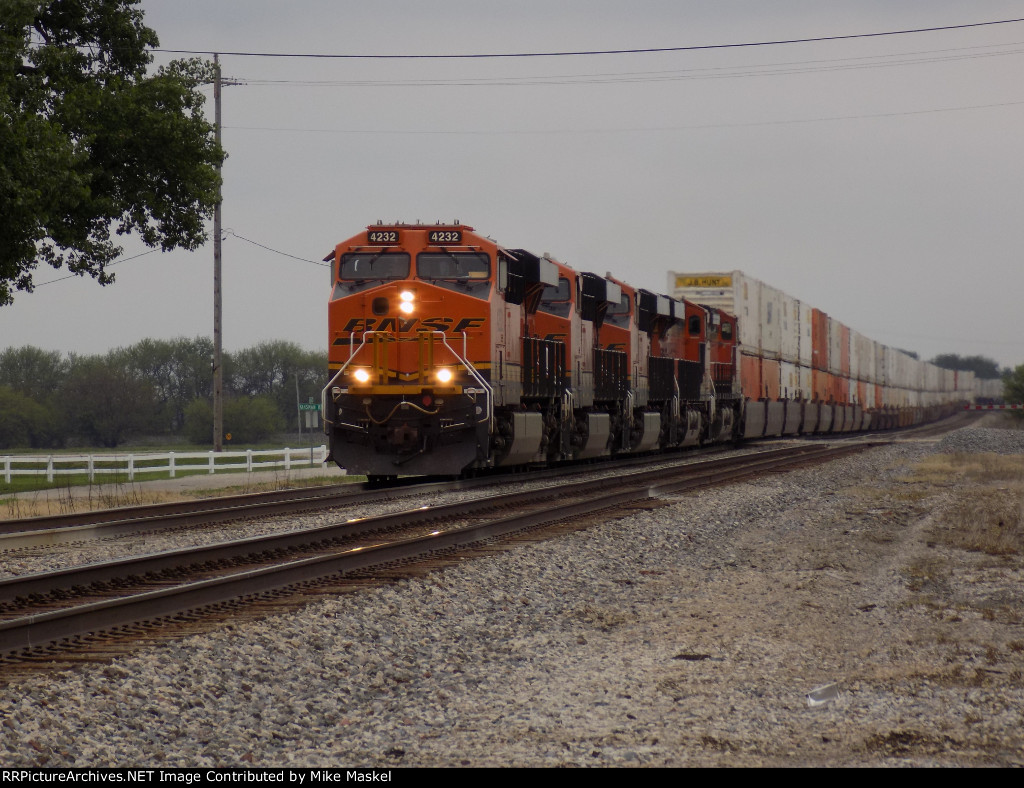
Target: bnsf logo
x: 360, y: 324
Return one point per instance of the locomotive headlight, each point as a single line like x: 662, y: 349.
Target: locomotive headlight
x: 407, y: 296
x: 444, y: 375
x: 362, y: 375
x: 405, y: 307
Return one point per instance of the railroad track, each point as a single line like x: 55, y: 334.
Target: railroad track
x: 43, y: 615
x: 75, y: 527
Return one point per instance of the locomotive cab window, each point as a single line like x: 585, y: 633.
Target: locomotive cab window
x: 618, y: 314
x: 556, y: 299
x: 727, y: 331
x: 461, y: 271
x: 361, y: 270
x: 382, y: 265
x: 695, y: 325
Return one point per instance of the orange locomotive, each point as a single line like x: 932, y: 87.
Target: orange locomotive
x: 449, y: 352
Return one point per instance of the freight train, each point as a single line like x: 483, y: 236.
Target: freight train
x: 449, y: 353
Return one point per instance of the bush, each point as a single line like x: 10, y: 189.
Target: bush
x: 24, y: 422
x: 246, y: 420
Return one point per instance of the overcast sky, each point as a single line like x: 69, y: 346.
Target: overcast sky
x: 878, y: 179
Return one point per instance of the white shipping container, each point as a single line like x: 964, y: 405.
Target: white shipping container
x: 733, y: 291
x: 835, y: 346
x: 789, y: 380
x: 806, y: 329
x: 806, y: 382
x: 862, y: 357
x: 790, y: 350
x: 771, y: 321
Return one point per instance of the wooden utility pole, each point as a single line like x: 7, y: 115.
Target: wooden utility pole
x: 218, y: 368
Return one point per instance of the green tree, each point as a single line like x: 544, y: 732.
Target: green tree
x: 271, y: 369
x: 981, y: 366
x: 246, y: 419
x: 1013, y: 386
x: 31, y: 371
x: 91, y: 143
x: 179, y: 369
x: 26, y: 422
x: 106, y: 403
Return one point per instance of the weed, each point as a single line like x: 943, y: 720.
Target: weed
x: 927, y: 573
x: 984, y: 521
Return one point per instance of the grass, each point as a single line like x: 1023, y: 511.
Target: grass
x: 989, y: 518
x: 67, y: 499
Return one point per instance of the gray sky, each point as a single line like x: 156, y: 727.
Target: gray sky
x: 878, y: 179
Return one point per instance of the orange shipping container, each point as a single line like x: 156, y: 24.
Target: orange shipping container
x: 821, y: 382
x: 840, y: 389
x: 750, y: 376
x: 770, y: 374
x: 819, y: 340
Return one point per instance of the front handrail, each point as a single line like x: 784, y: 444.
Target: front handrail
x: 462, y: 359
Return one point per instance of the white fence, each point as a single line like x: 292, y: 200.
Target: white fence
x: 127, y: 466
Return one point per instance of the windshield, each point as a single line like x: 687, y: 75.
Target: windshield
x: 618, y: 314
x: 555, y: 299
x: 464, y: 272
x: 357, y: 266
x: 453, y: 265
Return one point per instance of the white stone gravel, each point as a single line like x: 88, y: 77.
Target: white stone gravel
x: 684, y: 636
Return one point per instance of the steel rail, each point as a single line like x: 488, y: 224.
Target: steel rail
x: 64, y: 528
x: 233, y: 550
x: 38, y: 628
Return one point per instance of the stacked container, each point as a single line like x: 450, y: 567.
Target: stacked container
x: 790, y: 351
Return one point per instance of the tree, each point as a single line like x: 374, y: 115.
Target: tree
x: 981, y: 366
x: 31, y: 371
x: 271, y: 369
x: 1013, y: 385
x: 179, y: 369
x: 91, y: 143
x: 246, y: 419
x: 27, y: 422
x: 106, y: 403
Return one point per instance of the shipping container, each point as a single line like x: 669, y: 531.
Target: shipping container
x: 750, y: 376
x: 791, y: 329
x: 819, y: 340
x: 806, y: 334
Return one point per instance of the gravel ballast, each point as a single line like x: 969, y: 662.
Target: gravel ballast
x: 689, y: 635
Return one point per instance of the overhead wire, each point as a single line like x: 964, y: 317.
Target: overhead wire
x: 275, y: 251
x: 581, y: 53
x: 112, y: 263
x: 673, y: 75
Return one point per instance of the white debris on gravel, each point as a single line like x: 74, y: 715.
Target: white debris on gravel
x: 684, y: 636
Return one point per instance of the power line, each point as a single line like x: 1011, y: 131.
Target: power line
x: 107, y: 265
x: 275, y: 251
x: 692, y: 127
x: 592, y: 52
x: 720, y: 72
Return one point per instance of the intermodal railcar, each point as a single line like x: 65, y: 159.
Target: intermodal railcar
x: 449, y: 352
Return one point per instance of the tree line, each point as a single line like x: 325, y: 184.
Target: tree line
x: 157, y: 387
